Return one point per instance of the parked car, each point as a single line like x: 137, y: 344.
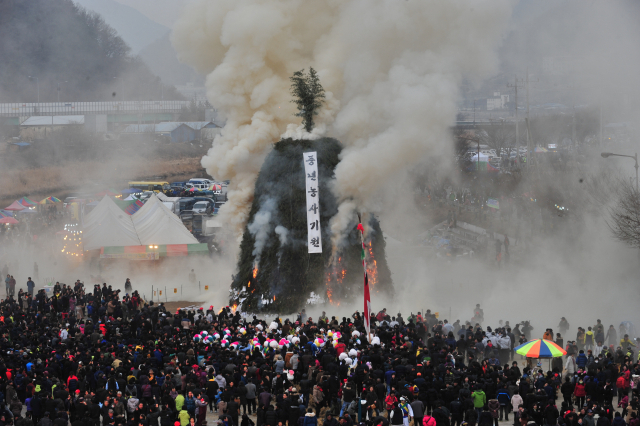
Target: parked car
x: 203, y: 207
x: 178, y: 185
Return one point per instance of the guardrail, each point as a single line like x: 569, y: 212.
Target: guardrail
x: 82, y: 108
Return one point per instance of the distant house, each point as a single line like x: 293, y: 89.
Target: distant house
x: 37, y: 127
x: 179, y: 132
x: 497, y: 102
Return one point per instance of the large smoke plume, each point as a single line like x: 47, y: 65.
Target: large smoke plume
x: 391, y: 71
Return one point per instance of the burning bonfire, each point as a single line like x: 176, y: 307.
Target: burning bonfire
x: 277, y: 274
x: 337, y: 272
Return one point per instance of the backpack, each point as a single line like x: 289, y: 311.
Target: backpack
x: 428, y: 421
x: 132, y: 404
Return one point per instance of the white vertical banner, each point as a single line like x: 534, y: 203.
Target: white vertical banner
x: 314, y: 238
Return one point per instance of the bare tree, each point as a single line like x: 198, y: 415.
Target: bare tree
x: 499, y: 136
x: 625, y: 214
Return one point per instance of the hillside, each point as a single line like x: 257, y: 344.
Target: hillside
x: 69, y: 51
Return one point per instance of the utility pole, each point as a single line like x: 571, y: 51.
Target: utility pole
x: 528, y: 141
x: 515, y: 86
x: 528, y: 121
x: 474, y: 113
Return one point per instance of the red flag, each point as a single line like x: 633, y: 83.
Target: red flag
x: 367, y: 295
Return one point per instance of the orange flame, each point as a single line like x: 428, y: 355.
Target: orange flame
x: 234, y: 308
x: 274, y: 298
x: 372, y: 268
x: 249, y: 284
x: 335, y: 277
x: 255, y: 271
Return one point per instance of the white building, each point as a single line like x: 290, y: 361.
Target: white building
x: 497, y: 102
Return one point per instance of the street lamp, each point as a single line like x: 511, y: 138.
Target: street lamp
x: 37, y: 85
x: 635, y: 157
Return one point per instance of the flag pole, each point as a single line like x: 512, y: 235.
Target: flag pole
x: 367, y: 294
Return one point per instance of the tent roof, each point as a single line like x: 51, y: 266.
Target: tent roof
x: 156, y: 224
x: 107, y: 225
x: 15, y: 206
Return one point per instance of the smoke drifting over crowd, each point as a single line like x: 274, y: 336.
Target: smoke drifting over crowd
x: 390, y: 70
x: 394, y: 74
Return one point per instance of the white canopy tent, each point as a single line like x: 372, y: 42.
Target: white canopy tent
x: 154, y: 224
x: 107, y: 225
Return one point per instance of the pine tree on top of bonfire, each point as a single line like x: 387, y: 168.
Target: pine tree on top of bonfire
x: 308, y: 94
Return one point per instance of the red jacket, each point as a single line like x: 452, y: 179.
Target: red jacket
x: 580, y: 390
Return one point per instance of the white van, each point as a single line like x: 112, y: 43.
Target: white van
x: 198, y: 184
x: 202, y: 180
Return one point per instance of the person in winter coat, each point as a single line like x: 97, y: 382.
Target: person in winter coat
x: 310, y: 418
x: 318, y: 398
x: 246, y: 421
x: 418, y: 411
x: 603, y: 421
x: 516, y: 401
x: 618, y: 420
x: 330, y: 420
x: 494, y: 409
x: 485, y: 418
x: 222, y: 382
x: 479, y: 401
x: 190, y: 404
x: 580, y: 393
x: 179, y: 402
x: 581, y: 360
x: 271, y: 416
x: 505, y: 403
x: 567, y: 389
x: 551, y: 414
x: 183, y: 417
x: 201, y: 411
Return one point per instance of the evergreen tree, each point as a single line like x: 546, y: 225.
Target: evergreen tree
x: 308, y: 94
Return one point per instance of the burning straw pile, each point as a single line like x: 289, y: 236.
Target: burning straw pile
x: 276, y: 274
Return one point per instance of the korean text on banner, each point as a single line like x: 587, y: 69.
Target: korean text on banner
x: 314, y: 238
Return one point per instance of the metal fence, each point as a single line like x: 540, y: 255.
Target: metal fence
x: 82, y: 108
